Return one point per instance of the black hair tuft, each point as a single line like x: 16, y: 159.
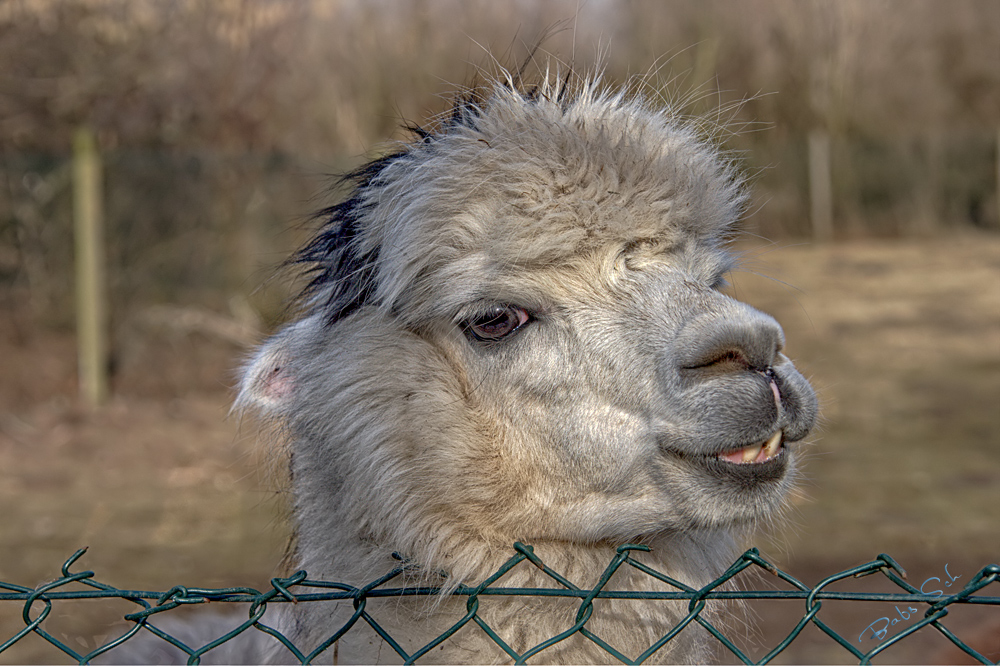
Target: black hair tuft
x: 337, y: 265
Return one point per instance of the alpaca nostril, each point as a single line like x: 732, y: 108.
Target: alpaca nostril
x: 752, y: 342
x: 732, y: 357
x: 729, y: 362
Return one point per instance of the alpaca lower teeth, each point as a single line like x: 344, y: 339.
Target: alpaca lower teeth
x: 754, y: 453
x: 772, y: 446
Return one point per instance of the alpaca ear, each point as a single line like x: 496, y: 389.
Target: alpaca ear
x: 267, y: 384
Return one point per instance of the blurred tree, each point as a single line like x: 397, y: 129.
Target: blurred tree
x: 199, y: 106
x: 335, y: 75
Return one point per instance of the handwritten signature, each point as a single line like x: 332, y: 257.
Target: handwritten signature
x: 905, y: 614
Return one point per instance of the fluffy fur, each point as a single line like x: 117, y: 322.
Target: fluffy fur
x: 596, y: 422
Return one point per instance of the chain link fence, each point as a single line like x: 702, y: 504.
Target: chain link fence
x: 37, y: 605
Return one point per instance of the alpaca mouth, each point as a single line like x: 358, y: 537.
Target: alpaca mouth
x: 755, y: 454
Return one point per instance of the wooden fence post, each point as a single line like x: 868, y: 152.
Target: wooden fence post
x: 91, y: 299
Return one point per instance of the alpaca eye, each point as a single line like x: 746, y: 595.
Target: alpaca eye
x: 496, y: 323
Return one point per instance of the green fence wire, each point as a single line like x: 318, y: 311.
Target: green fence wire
x: 38, y: 603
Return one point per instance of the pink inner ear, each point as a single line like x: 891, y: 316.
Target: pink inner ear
x: 277, y: 385
x: 269, y: 383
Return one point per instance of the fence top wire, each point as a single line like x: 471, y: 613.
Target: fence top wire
x: 37, y: 605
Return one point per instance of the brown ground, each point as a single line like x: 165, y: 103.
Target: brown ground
x: 901, y: 339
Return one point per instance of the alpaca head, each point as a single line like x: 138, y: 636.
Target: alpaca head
x: 515, y: 332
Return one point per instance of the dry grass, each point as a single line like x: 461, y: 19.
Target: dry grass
x: 902, y: 340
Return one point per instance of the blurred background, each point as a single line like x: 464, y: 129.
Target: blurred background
x: 202, y: 135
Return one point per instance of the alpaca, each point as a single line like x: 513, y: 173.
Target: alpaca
x: 515, y: 332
